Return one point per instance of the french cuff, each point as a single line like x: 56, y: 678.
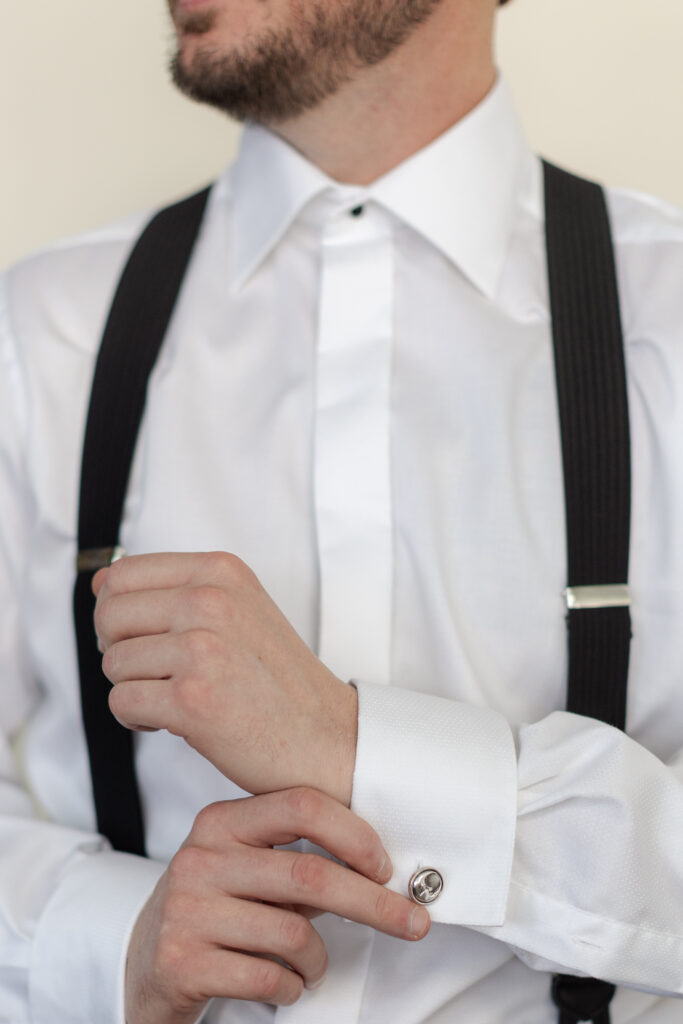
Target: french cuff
x: 437, y: 780
x: 79, y: 954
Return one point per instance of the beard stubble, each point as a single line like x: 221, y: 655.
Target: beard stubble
x: 281, y: 73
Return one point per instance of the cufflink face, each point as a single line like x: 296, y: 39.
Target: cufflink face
x: 425, y: 886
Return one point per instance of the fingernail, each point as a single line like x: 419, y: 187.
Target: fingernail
x: 386, y: 869
x: 316, y: 984
x: 419, y: 922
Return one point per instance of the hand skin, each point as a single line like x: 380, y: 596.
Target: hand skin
x: 228, y: 902
x: 194, y: 644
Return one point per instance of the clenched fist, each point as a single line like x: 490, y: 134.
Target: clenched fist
x: 194, y: 644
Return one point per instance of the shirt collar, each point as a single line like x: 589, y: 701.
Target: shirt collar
x: 459, y: 192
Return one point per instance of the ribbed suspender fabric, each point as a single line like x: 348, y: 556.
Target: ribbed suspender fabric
x: 135, y: 329
x: 593, y: 412
x: 593, y: 409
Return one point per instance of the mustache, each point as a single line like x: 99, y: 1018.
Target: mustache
x: 194, y: 22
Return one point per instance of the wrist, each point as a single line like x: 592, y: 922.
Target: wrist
x: 344, y: 725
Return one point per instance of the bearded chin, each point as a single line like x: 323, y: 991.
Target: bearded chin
x: 274, y: 83
x: 284, y: 73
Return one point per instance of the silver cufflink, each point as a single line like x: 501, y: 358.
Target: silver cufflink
x: 425, y: 886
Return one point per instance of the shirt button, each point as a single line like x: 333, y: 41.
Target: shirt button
x: 358, y: 211
x: 425, y: 886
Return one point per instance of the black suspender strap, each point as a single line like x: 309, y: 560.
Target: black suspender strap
x: 593, y: 410
x: 593, y: 407
x: 138, y: 319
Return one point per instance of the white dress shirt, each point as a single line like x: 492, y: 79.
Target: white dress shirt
x: 362, y: 406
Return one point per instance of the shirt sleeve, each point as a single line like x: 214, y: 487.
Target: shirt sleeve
x: 67, y: 902
x: 562, y: 839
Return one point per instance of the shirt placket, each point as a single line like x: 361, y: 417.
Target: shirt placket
x: 353, y: 511
x: 352, y: 445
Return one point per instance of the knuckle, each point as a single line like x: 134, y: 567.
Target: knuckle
x: 295, y: 933
x: 173, y: 950
x: 169, y: 956
x: 174, y: 975
x: 306, y: 804
x: 308, y: 873
x: 385, y: 906
x: 232, y: 570
x: 209, y: 822
x: 267, y: 980
x: 227, y: 564
x: 201, y: 645
x: 119, y: 703
x: 110, y: 660
x: 187, y: 864
x: 293, y: 990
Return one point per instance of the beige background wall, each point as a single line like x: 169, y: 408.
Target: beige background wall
x: 92, y: 130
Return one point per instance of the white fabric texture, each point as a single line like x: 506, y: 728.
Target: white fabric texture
x: 362, y: 407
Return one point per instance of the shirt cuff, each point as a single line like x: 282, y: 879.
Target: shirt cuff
x: 79, y: 956
x: 437, y: 780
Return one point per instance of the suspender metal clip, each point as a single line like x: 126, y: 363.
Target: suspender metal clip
x: 93, y: 559
x: 607, y: 595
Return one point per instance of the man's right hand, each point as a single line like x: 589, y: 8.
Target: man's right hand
x: 228, y: 902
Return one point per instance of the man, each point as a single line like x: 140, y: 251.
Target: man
x: 354, y: 410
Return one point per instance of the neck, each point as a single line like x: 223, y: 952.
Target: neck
x: 390, y: 111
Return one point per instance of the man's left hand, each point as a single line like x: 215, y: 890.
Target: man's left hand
x: 194, y: 644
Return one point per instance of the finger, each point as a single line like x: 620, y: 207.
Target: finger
x: 283, y: 876
x: 174, y: 569
x: 259, y: 928
x: 145, y: 705
x: 228, y: 974
x: 150, y: 612
x: 146, y: 657
x: 299, y: 908
x: 149, y: 572
x: 142, y: 613
x: 309, y: 912
x: 276, y: 819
